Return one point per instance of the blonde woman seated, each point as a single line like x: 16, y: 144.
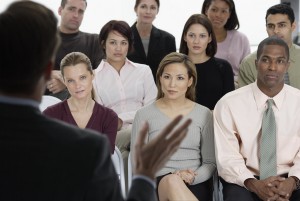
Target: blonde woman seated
x: 186, y: 176
x: 80, y: 109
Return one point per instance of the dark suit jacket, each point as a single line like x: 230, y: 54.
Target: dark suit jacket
x: 43, y: 159
x: 161, y: 43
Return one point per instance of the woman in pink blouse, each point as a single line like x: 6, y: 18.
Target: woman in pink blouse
x: 120, y: 84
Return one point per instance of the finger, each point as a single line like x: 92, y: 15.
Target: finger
x: 273, y: 198
x: 170, y: 147
x: 275, y: 178
x: 168, y: 129
x: 283, y: 194
x: 167, y: 147
x: 174, y: 141
x: 192, y: 172
x: 140, y: 142
x: 177, y: 136
x: 282, y: 199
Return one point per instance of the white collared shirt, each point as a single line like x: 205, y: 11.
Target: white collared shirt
x: 126, y: 92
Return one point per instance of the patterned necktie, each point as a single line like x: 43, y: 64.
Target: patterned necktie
x: 268, y: 160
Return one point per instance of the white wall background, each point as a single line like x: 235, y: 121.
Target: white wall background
x: 171, y: 17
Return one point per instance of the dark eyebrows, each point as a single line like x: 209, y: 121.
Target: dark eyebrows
x: 282, y: 22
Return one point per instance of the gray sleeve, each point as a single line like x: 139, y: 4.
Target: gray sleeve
x: 208, y: 167
x: 136, y: 126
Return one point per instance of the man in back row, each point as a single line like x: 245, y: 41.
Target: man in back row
x: 280, y: 22
x: 43, y: 159
x: 73, y: 40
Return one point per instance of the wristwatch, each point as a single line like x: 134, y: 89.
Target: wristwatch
x: 297, y: 182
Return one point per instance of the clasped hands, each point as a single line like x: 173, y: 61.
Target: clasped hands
x: 188, y: 176
x: 274, y: 188
x: 56, y: 83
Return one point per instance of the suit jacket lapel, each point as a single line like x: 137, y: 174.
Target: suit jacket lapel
x: 154, y: 40
x: 139, y: 45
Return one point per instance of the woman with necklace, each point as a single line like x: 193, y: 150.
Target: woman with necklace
x: 80, y: 108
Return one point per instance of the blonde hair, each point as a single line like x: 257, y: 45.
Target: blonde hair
x: 75, y: 58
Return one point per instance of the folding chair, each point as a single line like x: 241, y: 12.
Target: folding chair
x: 217, y: 193
x: 119, y: 166
x: 129, y: 175
x: 48, y: 101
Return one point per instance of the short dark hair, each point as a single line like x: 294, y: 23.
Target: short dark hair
x: 29, y: 40
x: 281, y: 9
x: 137, y: 2
x: 64, y: 2
x: 272, y: 40
x: 121, y: 27
x: 211, y: 48
x: 172, y: 58
x: 233, y: 21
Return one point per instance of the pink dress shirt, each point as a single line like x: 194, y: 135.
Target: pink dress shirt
x: 237, y: 127
x: 126, y: 92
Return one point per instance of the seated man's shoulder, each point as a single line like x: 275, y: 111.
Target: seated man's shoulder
x: 238, y: 95
x: 250, y: 59
x: 297, y: 53
x: 89, y: 36
x: 297, y: 47
x: 293, y: 91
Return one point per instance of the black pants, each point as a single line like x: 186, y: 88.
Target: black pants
x: 202, y: 191
x: 233, y: 192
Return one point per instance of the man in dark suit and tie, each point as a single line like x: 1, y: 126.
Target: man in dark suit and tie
x: 44, y: 159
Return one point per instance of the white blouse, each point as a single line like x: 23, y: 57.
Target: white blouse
x: 126, y: 92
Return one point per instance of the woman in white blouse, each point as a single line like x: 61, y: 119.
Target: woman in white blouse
x: 120, y: 84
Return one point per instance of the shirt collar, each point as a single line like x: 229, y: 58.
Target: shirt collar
x: 19, y: 101
x: 105, y: 63
x: 261, y: 98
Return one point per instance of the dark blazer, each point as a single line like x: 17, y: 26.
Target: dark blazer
x: 43, y: 159
x: 161, y: 43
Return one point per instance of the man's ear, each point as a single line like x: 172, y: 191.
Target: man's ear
x: 59, y: 10
x: 256, y: 63
x: 294, y: 25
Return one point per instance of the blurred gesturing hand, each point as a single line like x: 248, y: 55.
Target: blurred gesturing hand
x: 151, y: 157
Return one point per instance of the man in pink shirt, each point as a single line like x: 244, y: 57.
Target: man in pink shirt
x: 237, y: 125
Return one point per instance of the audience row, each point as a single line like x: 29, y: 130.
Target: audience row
x: 107, y: 83
x: 211, y: 65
